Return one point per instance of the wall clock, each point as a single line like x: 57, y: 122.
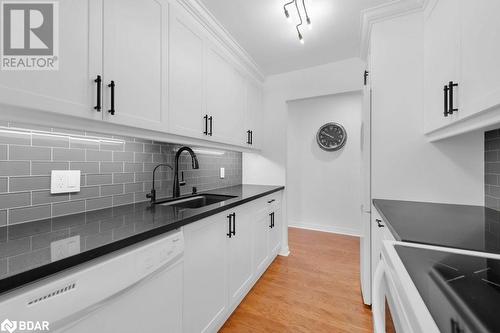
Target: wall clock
x: 331, y: 136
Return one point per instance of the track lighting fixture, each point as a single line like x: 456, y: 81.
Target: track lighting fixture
x: 288, y: 17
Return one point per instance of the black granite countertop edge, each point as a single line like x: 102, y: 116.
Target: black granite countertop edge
x: 21, y: 279
x: 387, y: 222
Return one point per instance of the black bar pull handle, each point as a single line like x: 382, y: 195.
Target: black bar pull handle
x: 98, y: 81
x: 206, y: 124
x: 251, y: 137
x: 271, y: 222
x: 445, y: 94
x: 248, y: 137
x: 451, y: 85
x: 234, y: 224
x: 211, y: 128
x: 379, y: 223
x: 112, y: 86
x: 230, y: 233
x: 271, y: 201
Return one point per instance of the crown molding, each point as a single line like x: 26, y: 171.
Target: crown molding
x: 205, y: 17
x: 384, y: 12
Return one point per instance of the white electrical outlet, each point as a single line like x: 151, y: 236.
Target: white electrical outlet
x: 222, y: 173
x: 65, y: 181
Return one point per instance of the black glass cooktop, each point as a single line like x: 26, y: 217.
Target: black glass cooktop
x: 462, y: 292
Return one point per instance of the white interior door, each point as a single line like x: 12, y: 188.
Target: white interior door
x: 135, y: 58
x: 70, y: 90
x: 186, y: 75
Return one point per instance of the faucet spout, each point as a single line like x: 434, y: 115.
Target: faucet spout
x: 176, y: 192
x: 152, y: 195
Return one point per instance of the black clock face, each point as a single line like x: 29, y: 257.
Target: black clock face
x: 331, y: 136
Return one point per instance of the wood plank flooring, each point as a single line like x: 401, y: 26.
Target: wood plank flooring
x: 315, y: 289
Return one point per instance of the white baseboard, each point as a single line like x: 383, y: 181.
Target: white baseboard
x: 324, y: 228
x: 285, y: 251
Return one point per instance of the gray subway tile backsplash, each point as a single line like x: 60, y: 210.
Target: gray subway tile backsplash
x: 492, y: 169
x: 116, y: 170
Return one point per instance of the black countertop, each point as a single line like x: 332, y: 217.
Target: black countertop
x: 25, y: 249
x: 457, y: 226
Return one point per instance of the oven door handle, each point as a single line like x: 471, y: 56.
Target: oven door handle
x: 378, y: 301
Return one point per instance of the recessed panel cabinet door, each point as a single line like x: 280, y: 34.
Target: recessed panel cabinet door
x: 261, y: 225
x: 441, y: 61
x: 480, y: 84
x: 186, y: 75
x: 240, y: 257
x: 70, y: 90
x: 135, y: 59
x: 225, y: 98
x: 205, y: 284
x: 253, y: 112
x: 275, y: 233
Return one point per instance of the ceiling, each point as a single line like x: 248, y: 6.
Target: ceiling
x: 262, y: 30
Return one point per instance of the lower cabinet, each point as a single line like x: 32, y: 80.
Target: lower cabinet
x: 379, y: 233
x: 224, y: 256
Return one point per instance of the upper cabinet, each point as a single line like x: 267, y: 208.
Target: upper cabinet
x: 151, y: 64
x: 462, y: 90
x: 186, y: 75
x: 71, y: 89
x: 135, y: 62
x: 225, y: 97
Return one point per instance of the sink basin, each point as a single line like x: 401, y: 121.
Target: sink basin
x: 197, y: 201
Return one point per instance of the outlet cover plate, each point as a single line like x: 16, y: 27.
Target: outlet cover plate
x: 65, y: 181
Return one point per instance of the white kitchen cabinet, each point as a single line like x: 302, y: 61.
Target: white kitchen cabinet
x: 253, y: 113
x: 225, y: 97
x: 205, y: 274
x: 240, y: 268
x: 136, y: 60
x: 480, y: 52
x: 275, y: 229
x: 186, y: 75
x: 71, y: 89
x: 441, y: 61
x: 379, y: 232
x: 261, y: 251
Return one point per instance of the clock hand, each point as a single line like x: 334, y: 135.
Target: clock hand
x: 328, y: 135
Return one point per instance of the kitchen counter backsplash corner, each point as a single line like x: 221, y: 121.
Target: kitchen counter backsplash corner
x: 116, y: 170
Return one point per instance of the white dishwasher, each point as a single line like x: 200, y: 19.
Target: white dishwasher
x: 136, y: 289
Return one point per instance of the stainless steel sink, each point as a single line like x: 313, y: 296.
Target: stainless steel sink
x: 197, y: 201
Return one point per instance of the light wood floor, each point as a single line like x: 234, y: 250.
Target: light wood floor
x: 315, y: 289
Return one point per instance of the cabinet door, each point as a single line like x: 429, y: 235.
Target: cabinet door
x: 252, y: 112
x: 275, y: 233
x: 240, y: 257
x: 186, y: 75
x: 377, y: 236
x: 71, y: 89
x: 225, y: 97
x: 480, y: 84
x: 205, y: 284
x: 441, y: 56
x: 135, y: 58
x: 261, y: 227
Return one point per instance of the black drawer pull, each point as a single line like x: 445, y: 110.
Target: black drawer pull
x: 234, y: 224
x: 211, y: 121
x: 230, y: 233
x: 451, y: 85
x: 112, y: 86
x: 98, y: 81
x: 271, y: 201
x: 206, y: 125
x: 379, y: 223
x: 445, y: 93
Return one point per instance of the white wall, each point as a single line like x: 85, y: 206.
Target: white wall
x: 324, y: 187
x: 405, y: 165
x: 269, y: 166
